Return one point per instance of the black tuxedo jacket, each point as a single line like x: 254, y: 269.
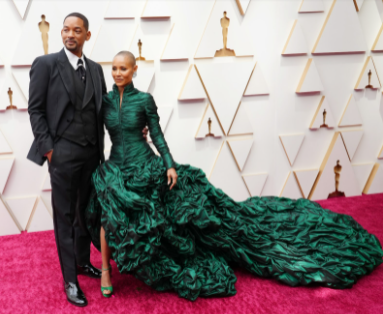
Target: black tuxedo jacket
x: 52, y: 99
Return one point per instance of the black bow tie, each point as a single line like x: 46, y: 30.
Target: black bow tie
x: 81, y: 70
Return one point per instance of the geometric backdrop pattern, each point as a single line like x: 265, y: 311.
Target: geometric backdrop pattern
x: 295, y: 111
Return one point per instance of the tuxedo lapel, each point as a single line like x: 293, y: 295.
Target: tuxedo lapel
x: 95, y: 77
x: 89, y: 90
x: 65, y: 69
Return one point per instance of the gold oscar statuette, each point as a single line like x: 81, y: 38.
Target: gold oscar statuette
x: 324, y: 125
x: 225, y: 52
x: 209, y: 125
x: 140, y: 57
x: 44, y: 29
x: 10, y: 94
x: 337, y: 193
x: 369, y: 80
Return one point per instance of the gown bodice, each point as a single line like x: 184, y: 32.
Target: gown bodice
x: 125, y: 124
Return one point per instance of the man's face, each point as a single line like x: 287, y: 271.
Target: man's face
x: 74, y: 33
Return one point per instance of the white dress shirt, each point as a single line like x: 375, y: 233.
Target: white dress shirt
x: 73, y: 59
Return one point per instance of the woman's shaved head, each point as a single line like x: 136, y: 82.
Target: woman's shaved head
x: 129, y: 55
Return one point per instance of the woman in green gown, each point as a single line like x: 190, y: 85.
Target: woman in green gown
x: 181, y: 233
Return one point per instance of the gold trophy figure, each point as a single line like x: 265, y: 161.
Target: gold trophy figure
x: 209, y: 125
x: 224, y: 52
x: 369, y: 80
x: 324, y: 125
x: 10, y: 94
x: 44, y: 29
x: 337, y: 193
x: 139, y: 44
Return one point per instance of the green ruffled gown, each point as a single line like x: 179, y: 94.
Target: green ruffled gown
x: 185, y: 239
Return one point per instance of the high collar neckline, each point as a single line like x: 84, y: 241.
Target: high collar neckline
x: 127, y: 89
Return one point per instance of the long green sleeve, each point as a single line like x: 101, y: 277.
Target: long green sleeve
x: 156, y: 133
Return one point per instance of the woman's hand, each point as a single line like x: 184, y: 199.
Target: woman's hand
x: 145, y: 133
x: 172, y: 177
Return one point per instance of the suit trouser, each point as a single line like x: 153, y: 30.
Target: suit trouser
x: 71, y: 170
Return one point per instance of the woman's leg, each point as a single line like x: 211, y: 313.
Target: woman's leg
x: 106, y: 254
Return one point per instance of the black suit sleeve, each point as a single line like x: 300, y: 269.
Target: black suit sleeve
x: 38, y: 86
x: 103, y: 84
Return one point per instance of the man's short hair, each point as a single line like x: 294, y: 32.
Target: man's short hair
x: 80, y: 16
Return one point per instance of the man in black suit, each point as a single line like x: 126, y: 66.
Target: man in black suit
x: 65, y: 98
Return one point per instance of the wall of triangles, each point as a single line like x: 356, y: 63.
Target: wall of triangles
x: 295, y: 110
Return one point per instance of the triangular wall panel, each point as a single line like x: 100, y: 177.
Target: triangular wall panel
x: 156, y: 9
x: 243, y: 5
x: 5, y: 170
x: 225, y: 175
x: 225, y: 84
x: 310, y: 81
x: 203, y: 127
x: 296, y: 44
x: 257, y: 84
x: 109, y: 42
x: 5, y: 148
x: 118, y: 9
x: 325, y: 182
x: 7, y: 225
x: 375, y: 181
x: 30, y: 43
x: 21, y: 6
x: 323, y: 117
x: 41, y: 219
x: 153, y: 42
x: 358, y: 4
x: 351, y: 140
x: 192, y: 88
x: 241, y: 124
x: 1, y: 63
x: 238, y: 33
x: 173, y: 50
x: 380, y: 156
x: 291, y: 144
x: 351, y: 115
x: 342, y: 37
x: 291, y: 188
x: 362, y: 172
x: 47, y: 183
x: 21, y: 76
x: 378, y: 43
x: 311, y: 6
x: 22, y: 209
x: 305, y: 180
x: 255, y: 183
x: 240, y: 150
x: 363, y: 79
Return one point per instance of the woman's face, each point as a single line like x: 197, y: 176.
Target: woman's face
x: 123, y: 70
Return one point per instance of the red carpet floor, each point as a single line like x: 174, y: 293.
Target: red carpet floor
x: 31, y: 282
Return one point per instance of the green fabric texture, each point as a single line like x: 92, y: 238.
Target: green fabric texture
x: 185, y: 239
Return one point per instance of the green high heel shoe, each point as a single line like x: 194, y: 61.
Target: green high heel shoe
x: 107, y: 295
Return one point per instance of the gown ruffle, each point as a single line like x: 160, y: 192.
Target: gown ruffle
x: 184, y: 239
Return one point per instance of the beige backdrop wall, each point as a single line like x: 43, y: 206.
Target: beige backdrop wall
x: 294, y: 59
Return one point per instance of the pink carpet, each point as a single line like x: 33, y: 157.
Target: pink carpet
x: 31, y: 282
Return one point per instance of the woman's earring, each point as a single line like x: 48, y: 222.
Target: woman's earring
x: 134, y: 74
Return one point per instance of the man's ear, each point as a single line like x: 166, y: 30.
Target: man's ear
x: 88, y: 35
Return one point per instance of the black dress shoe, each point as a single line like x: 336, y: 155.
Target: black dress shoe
x: 74, y: 294
x: 89, y: 270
